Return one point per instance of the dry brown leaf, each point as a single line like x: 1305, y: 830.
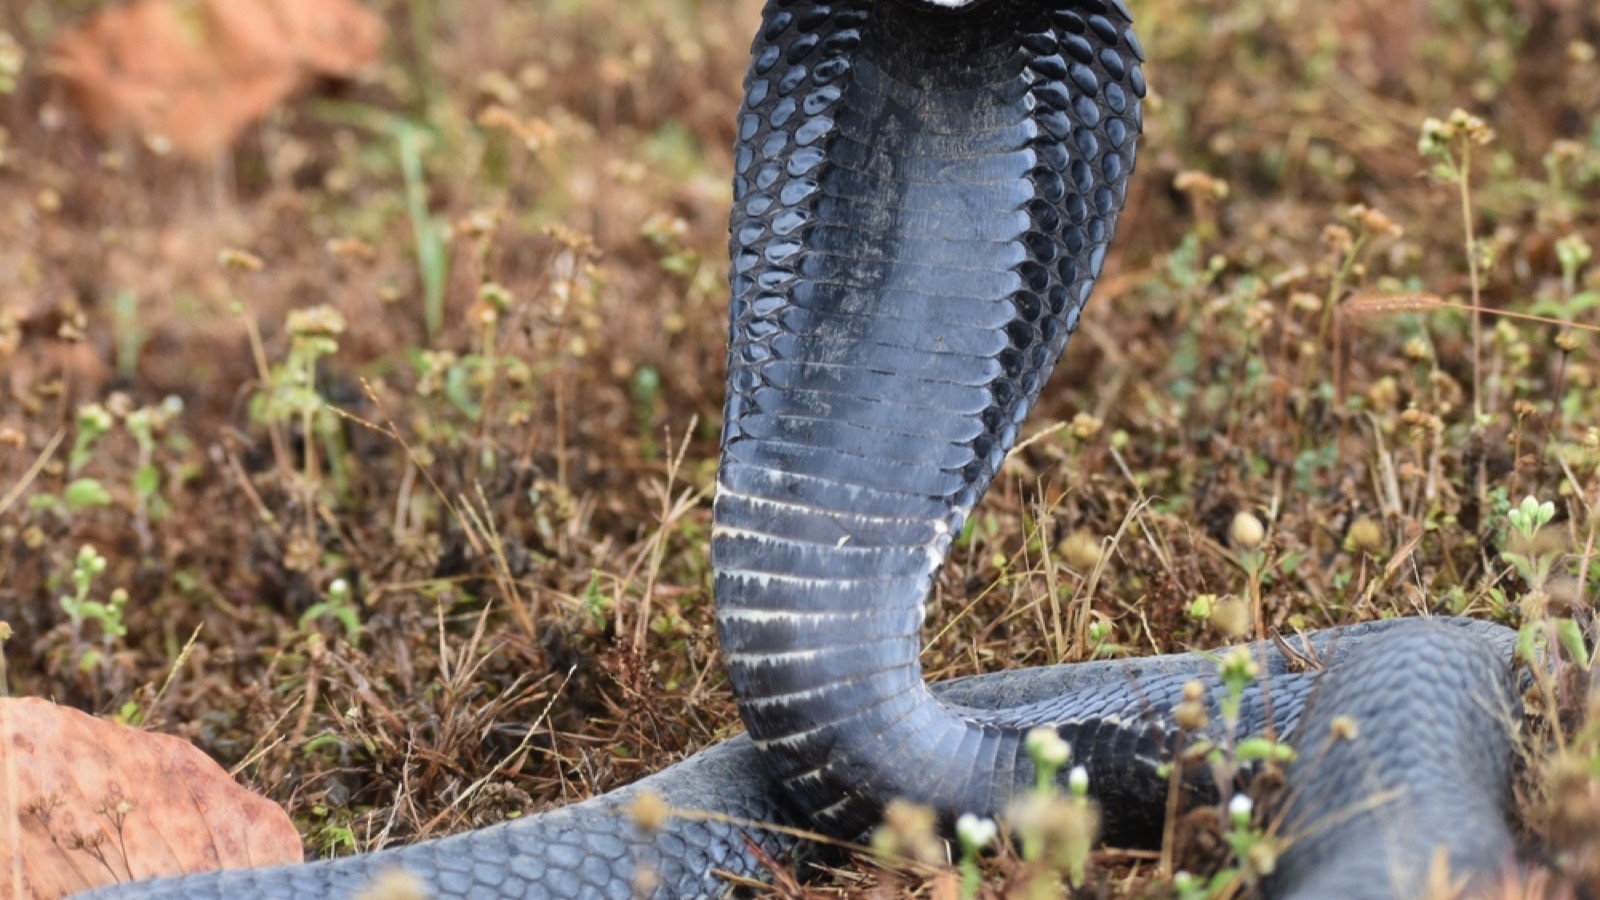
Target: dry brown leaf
x: 85, y: 803
x: 194, y: 73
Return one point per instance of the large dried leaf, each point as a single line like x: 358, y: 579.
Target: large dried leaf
x: 86, y: 803
x: 194, y: 73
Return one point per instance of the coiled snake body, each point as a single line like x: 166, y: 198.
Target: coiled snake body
x: 924, y: 194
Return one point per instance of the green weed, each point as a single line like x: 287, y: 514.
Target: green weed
x: 81, y: 608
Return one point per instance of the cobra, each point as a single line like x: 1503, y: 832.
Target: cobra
x: 924, y: 193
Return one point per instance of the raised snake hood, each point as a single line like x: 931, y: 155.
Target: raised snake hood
x: 922, y: 202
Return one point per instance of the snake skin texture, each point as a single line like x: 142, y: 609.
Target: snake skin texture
x: 923, y: 199
x: 592, y: 849
x: 597, y: 849
x: 924, y: 196
x: 1374, y: 801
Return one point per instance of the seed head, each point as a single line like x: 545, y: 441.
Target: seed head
x: 1365, y: 535
x: 1081, y: 550
x: 1247, y: 531
x: 650, y: 812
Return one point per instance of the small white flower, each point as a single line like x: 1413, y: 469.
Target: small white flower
x: 1238, y: 666
x: 1078, y: 781
x: 975, y: 833
x: 90, y: 560
x: 1047, y: 748
x: 1239, y: 809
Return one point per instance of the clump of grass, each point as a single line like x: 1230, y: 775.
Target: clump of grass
x: 1255, y: 851
x: 1450, y: 144
x: 337, y: 605
x: 82, y: 607
x: 1056, y: 829
x: 1045, y: 836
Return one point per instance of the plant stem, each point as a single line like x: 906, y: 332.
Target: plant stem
x: 1463, y: 181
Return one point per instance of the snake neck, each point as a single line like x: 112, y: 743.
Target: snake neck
x: 922, y: 203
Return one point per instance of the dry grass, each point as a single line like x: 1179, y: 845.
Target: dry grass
x: 505, y: 499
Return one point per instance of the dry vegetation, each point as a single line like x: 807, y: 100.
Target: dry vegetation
x: 478, y: 545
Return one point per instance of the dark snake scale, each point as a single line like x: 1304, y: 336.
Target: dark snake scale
x: 923, y: 198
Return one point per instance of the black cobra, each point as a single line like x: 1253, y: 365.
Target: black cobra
x: 924, y: 194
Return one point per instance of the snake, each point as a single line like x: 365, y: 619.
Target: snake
x: 924, y: 192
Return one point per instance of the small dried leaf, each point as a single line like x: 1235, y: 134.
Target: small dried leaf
x: 86, y: 803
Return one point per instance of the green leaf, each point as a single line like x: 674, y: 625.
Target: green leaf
x: 1527, y: 645
x: 146, y: 481
x: 316, y: 745
x: 1255, y: 749
x: 1571, y: 638
x: 1291, y: 561
x: 84, y: 493
x: 595, y: 603
x: 460, y: 390
x: 679, y: 264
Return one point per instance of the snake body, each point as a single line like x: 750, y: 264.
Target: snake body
x: 923, y: 197
x: 1394, y: 794
x: 913, y: 241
